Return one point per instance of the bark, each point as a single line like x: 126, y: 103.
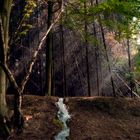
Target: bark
x: 131, y: 78
x: 2, y: 78
x: 97, y: 62
x: 53, y: 69
x: 87, y: 55
x: 5, y: 16
x: 6, y: 72
x: 4, y: 37
x: 96, y: 57
x: 49, y: 52
x: 3, y: 107
x: 63, y: 61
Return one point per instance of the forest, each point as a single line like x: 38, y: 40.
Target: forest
x: 69, y: 69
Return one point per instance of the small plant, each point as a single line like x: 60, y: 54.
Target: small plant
x: 57, y: 123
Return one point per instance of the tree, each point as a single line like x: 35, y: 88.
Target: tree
x: 4, y: 37
x: 6, y: 72
x: 111, y: 15
x: 86, y: 46
x: 49, y: 50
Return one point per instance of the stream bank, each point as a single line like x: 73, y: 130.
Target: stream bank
x: 91, y: 118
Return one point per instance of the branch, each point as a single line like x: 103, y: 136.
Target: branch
x: 10, y: 76
x: 127, y: 85
x: 35, y: 55
x: 3, y: 60
x: 2, y: 52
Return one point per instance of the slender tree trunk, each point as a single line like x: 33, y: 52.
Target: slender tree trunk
x: 96, y: 56
x: 53, y: 68
x: 131, y: 81
x: 3, y: 107
x: 63, y: 61
x: 87, y: 55
x: 108, y: 61
x: 49, y: 52
x: 96, y: 61
x: 5, y: 17
x: 107, y: 57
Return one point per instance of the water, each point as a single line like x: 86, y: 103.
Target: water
x: 63, y: 116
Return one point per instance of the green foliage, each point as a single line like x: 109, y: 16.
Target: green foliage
x: 129, y: 76
x: 29, y: 7
x: 137, y: 65
x: 57, y: 123
x: 115, y: 15
x: 24, y: 25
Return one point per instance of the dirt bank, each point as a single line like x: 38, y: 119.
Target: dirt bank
x: 97, y: 118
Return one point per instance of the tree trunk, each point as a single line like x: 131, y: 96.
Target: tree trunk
x: 96, y: 56
x: 87, y: 56
x: 97, y: 62
x: 2, y: 93
x: 5, y: 17
x: 49, y: 52
x: 131, y: 77
x: 106, y: 53
x: 63, y: 61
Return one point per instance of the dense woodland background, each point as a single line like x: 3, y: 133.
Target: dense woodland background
x: 67, y: 48
x: 79, y: 67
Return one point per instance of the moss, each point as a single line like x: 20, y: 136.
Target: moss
x: 57, y: 123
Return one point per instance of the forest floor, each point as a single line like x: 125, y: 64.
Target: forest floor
x: 96, y: 118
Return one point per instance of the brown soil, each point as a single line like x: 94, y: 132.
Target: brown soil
x: 97, y: 118
x: 104, y: 119
x: 40, y: 118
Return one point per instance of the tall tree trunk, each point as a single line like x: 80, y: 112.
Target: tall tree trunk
x: 96, y: 56
x: 108, y: 61
x: 87, y: 55
x: 3, y: 108
x: 53, y: 68
x: 49, y: 52
x: 96, y: 61
x: 63, y: 61
x: 106, y: 53
x: 5, y: 17
x: 131, y: 78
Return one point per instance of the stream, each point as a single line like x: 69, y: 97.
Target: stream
x: 63, y: 116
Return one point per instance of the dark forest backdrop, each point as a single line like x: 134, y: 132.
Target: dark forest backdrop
x: 79, y: 67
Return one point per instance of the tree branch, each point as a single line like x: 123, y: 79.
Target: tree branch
x: 126, y: 85
x: 2, y: 53
x: 35, y: 55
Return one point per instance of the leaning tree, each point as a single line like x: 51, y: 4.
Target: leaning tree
x: 5, y: 72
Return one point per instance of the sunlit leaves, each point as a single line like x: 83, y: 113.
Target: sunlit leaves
x: 23, y: 25
x: 115, y: 15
